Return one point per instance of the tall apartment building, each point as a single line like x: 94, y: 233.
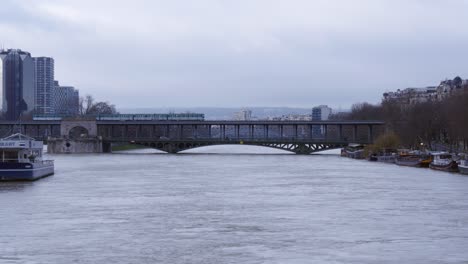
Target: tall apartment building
x: 44, y: 85
x: 320, y: 113
x: 16, y: 83
x: 66, y: 100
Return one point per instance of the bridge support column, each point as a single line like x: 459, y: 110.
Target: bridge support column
x: 355, y: 131
x: 325, y: 132
x: 209, y: 131
x: 222, y: 132
x: 340, y: 132
x: 152, y: 131
x: 106, y: 147
x: 124, y: 131
x: 302, y: 149
x: 370, y: 136
x: 138, y: 131
x: 296, y: 134
x: 237, y: 128
x: 281, y: 131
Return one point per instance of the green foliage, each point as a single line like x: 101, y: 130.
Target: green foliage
x: 388, y: 140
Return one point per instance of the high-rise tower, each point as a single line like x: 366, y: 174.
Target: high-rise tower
x: 16, y: 83
x: 44, y: 85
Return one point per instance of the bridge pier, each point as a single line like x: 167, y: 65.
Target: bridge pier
x: 370, y: 132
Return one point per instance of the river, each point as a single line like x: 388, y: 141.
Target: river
x: 258, y: 207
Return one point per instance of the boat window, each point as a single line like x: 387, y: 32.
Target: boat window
x: 10, y: 156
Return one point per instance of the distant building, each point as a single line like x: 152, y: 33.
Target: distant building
x: 243, y: 115
x: 411, y: 96
x: 16, y: 83
x: 320, y: 113
x: 66, y: 100
x: 44, y: 84
x: 293, y: 117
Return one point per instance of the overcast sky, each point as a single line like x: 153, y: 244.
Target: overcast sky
x: 238, y: 53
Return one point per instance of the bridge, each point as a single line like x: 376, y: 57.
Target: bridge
x: 300, y: 137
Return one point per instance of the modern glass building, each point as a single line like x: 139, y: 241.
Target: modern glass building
x: 16, y: 83
x: 65, y: 100
x: 44, y: 84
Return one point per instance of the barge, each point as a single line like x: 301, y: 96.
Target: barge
x: 21, y: 159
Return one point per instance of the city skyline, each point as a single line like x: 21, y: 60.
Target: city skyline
x: 257, y: 53
x: 28, y: 87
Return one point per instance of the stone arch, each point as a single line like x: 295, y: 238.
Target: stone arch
x: 67, y: 126
x: 78, y: 132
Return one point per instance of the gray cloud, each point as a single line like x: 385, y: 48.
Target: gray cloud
x: 242, y: 53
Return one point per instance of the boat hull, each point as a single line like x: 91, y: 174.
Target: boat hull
x: 413, y: 161
x: 408, y: 163
x: 25, y: 171
x: 386, y: 159
x: 451, y: 167
x: 463, y: 169
x: 357, y: 154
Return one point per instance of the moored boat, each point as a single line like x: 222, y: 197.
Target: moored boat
x: 353, y: 151
x: 410, y: 160
x: 385, y: 155
x: 463, y: 166
x: 21, y: 159
x: 444, y: 161
x: 413, y: 160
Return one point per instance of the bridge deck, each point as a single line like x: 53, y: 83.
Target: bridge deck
x: 173, y: 136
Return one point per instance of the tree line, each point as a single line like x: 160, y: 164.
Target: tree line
x: 433, y: 124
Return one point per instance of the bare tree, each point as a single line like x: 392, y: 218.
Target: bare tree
x: 88, y: 106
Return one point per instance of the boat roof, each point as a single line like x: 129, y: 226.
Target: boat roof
x: 17, y: 136
x: 440, y: 153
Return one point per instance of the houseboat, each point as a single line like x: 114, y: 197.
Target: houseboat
x: 21, y: 159
x: 385, y: 155
x: 353, y: 151
x: 463, y: 165
x: 443, y: 161
x: 413, y: 159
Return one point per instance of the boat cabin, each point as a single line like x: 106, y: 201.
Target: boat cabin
x: 19, y: 148
x: 442, y: 158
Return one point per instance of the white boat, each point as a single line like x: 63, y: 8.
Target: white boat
x: 443, y: 161
x: 21, y: 159
x: 463, y: 166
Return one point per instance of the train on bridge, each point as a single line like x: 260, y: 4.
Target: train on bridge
x: 129, y: 117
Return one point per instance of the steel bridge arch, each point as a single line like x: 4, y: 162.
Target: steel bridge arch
x: 297, y: 148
